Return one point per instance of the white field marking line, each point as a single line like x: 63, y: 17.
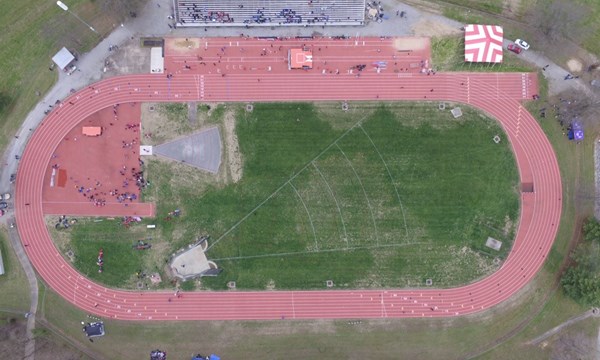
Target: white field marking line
x: 75, y: 289
x: 293, y: 305
x: 383, y: 310
x: 320, y: 251
x: 336, y: 204
x: 390, y: 175
x: 285, y: 183
x: 307, y: 212
x: 364, y: 192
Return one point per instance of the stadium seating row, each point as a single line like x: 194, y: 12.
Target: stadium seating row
x: 191, y: 13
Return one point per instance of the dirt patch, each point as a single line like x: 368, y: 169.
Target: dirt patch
x: 62, y: 237
x: 574, y: 65
x: 428, y: 27
x: 12, y: 337
x: 205, y: 112
x: 296, y: 327
x: 161, y: 123
x: 234, y: 157
x: 508, y: 226
x: 129, y: 58
x: 12, y: 341
x: 511, y: 7
x: 270, y: 285
x: 574, y: 345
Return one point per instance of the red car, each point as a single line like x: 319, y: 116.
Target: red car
x: 514, y: 48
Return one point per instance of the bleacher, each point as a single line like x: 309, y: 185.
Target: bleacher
x: 250, y: 13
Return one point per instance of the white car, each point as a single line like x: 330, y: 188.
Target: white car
x: 522, y: 44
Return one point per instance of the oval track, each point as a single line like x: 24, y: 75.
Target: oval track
x: 499, y: 95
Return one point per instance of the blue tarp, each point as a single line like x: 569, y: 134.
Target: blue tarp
x: 214, y: 357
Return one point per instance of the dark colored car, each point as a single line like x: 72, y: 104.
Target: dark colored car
x: 3, y: 205
x: 514, y: 48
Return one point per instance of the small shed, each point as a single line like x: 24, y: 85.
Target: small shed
x: 63, y: 58
x: 157, y: 60
x: 91, y: 130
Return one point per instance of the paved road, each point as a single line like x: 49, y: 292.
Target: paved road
x: 553, y: 73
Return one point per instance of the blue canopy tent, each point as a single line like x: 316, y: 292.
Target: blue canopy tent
x: 577, y: 127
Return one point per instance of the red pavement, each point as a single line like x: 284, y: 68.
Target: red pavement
x: 108, y: 188
x: 500, y: 95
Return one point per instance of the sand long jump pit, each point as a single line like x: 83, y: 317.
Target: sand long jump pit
x: 192, y: 262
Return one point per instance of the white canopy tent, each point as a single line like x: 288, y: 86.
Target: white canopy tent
x: 63, y: 58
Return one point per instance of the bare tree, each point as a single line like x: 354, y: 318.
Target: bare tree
x: 121, y: 9
x: 574, y: 346
x: 561, y: 18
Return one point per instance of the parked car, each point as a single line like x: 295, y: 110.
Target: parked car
x: 3, y: 205
x: 13, y: 177
x: 514, y: 48
x: 5, y: 196
x: 522, y: 44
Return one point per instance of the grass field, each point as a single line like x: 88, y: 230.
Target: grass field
x: 447, y: 54
x: 121, y: 261
x: 386, y: 195
x: 14, y: 292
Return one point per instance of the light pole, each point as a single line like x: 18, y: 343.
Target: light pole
x: 66, y: 8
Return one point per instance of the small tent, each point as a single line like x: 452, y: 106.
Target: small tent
x: 577, y: 127
x: 63, y: 58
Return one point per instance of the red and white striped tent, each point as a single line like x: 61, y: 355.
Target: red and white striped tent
x: 483, y: 43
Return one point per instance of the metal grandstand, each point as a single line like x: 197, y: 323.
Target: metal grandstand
x: 250, y: 13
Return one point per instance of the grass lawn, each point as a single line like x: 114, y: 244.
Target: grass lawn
x: 390, y: 202
x: 121, y: 261
x: 14, y: 289
x: 491, y: 6
x: 388, y: 196
x: 32, y: 33
x: 496, y: 12
x: 447, y: 54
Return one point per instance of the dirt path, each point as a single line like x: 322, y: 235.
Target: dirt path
x: 15, y: 241
x: 559, y: 328
x: 234, y: 157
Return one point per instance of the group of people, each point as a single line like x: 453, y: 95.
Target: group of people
x: 94, y: 192
x: 193, y: 12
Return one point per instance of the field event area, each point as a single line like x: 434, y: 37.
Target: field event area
x: 380, y: 195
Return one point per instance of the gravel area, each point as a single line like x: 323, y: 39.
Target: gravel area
x: 201, y: 150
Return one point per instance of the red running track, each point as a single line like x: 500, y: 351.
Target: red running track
x: 499, y: 95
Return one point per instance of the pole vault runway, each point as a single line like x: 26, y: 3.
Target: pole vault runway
x: 498, y: 94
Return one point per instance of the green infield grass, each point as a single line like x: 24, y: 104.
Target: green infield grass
x: 381, y: 196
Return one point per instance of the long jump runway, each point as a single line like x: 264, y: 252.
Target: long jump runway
x: 498, y: 94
